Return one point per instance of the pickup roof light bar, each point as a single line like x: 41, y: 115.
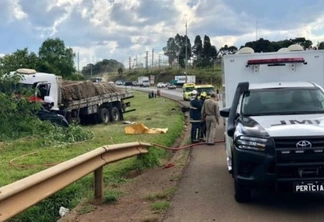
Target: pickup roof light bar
x: 275, y: 61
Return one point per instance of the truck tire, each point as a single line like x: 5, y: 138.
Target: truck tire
x: 103, y: 115
x: 242, y: 193
x: 115, y: 114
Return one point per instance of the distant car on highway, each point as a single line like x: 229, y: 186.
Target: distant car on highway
x: 161, y: 85
x: 119, y: 83
x: 96, y: 79
x: 128, y: 83
x: 171, y: 86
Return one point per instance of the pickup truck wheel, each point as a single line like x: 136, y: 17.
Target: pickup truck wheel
x: 103, y: 115
x: 115, y: 114
x: 242, y: 193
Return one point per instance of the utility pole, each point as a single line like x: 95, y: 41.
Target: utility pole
x: 130, y: 63
x: 159, y: 60
x: 146, y: 60
x: 78, y: 62
x: 152, y: 57
x: 186, y: 53
x: 136, y: 62
x: 91, y: 67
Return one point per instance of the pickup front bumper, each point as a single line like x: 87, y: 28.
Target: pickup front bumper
x: 282, y: 166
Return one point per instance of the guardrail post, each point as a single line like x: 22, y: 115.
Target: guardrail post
x: 98, y: 180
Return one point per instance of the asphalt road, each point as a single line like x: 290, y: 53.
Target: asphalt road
x: 206, y: 192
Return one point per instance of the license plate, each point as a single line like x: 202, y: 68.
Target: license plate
x: 308, y: 187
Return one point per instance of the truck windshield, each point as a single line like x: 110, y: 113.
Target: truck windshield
x: 283, y: 101
x: 208, y: 90
x: 19, y: 88
x: 189, y: 89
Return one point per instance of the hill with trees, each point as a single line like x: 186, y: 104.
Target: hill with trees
x: 203, y: 59
x: 104, y: 66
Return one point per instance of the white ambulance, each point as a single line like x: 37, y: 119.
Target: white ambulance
x: 274, y: 110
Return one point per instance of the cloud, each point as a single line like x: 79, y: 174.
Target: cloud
x: 11, y: 11
x: 119, y: 29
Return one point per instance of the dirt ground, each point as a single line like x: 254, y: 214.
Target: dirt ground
x: 154, y: 187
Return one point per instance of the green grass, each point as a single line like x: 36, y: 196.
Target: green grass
x: 160, y: 206
x: 165, y: 194
x: 154, y: 113
x: 86, y: 208
x: 111, y: 196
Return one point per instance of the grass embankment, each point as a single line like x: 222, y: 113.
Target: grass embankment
x: 31, y: 156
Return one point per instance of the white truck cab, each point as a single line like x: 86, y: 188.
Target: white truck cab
x: 275, y: 120
x: 47, y: 83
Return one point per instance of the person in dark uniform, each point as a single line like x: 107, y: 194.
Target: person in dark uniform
x: 203, y: 127
x: 195, y: 117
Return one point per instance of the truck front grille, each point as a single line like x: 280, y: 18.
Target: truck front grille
x: 288, y: 143
x: 296, y: 155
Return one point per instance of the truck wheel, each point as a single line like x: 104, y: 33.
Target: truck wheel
x: 103, y: 115
x: 115, y: 114
x: 242, y: 193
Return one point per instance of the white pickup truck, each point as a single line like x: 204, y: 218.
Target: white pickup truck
x: 275, y: 120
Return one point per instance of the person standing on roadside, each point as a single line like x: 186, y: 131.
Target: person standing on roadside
x: 195, y: 117
x: 202, y: 99
x: 211, y: 111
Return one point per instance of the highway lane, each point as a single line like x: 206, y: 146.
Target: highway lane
x: 206, y: 190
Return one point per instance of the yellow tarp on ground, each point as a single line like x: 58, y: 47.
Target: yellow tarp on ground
x: 140, y: 128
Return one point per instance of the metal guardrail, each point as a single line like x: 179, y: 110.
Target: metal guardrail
x: 20, y: 195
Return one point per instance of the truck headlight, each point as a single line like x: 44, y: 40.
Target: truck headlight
x: 251, y: 137
x: 251, y: 143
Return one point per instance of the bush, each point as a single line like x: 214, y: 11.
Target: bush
x: 76, y: 77
x: 18, y: 118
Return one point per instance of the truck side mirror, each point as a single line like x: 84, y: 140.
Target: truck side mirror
x: 225, y: 112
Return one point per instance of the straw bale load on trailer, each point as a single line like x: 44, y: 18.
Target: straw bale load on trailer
x: 99, y: 100
x: 77, y: 90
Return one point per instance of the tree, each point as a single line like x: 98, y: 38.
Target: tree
x: 209, y: 53
x: 197, y: 51
x: 183, y: 42
x: 171, y: 50
x: 225, y: 50
x: 120, y: 71
x: 56, y: 58
x: 104, y: 66
x: 263, y: 45
x: 19, y: 59
x: 320, y: 45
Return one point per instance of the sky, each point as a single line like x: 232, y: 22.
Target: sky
x: 123, y: 29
